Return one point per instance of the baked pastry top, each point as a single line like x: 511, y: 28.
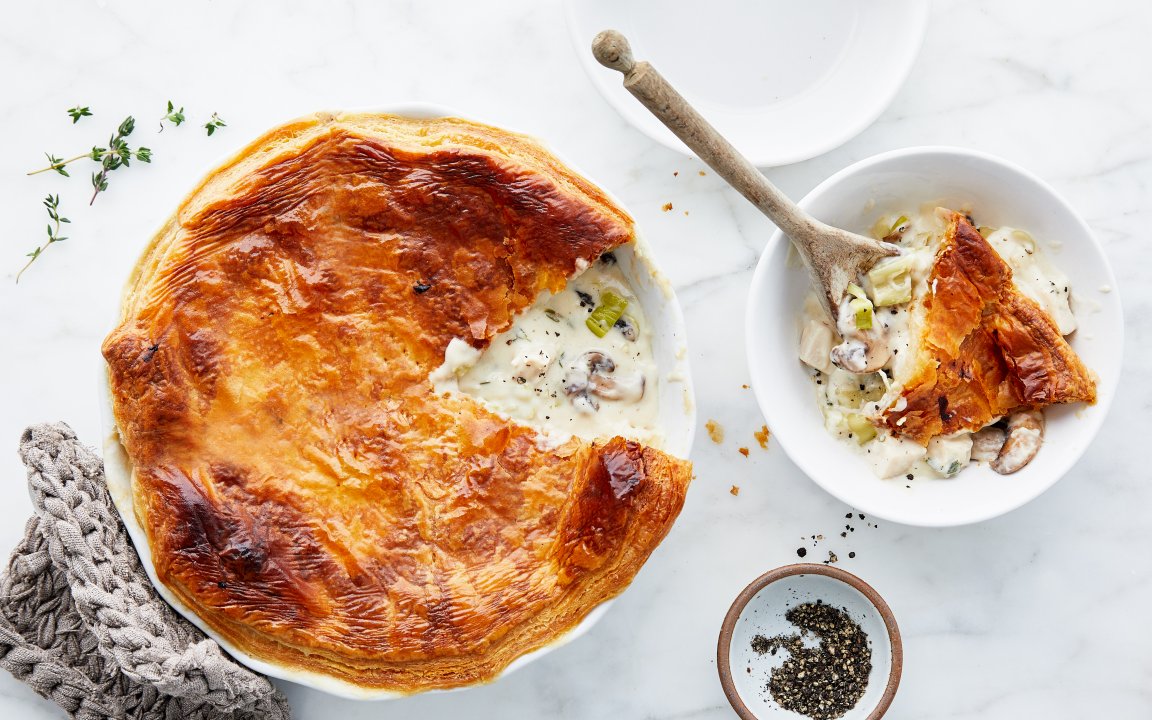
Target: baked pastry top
x: 984, y: 350
x: 302, y: 487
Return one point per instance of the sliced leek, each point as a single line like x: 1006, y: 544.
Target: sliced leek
x: 862, y: 311
x: 898, y: 227
x: 885, y: 228
x: 892, y: 281
x: 863, y: 430
x: 605, y: 315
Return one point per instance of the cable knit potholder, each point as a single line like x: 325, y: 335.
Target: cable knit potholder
x: 81, y: 623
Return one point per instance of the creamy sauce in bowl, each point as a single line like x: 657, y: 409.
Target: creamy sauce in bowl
x: 552, y: 371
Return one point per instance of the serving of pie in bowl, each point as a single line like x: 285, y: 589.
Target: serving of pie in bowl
x: 997, y: 334
x: 398, y: 401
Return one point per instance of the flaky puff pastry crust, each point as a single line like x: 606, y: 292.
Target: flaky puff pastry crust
x: 302, y: 487
x: 984, y: 350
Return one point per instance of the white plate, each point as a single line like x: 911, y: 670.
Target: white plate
x: 783, y: 80
x: 998, y: 193
x: 677, y: 416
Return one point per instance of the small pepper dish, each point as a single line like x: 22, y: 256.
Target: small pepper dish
x: 760, y: 610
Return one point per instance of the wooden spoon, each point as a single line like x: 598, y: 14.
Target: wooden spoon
x: 833, y: 256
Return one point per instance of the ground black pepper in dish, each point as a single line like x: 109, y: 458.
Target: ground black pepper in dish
x: 825, y: 681
x: 761, y: 645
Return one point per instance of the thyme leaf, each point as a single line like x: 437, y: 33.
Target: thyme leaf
x: 78, y: 112
x: 214, y: 123
x: 174, y: 116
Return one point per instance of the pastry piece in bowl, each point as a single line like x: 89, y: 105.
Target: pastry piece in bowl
x: 308, y: 485
x: 983, y: 349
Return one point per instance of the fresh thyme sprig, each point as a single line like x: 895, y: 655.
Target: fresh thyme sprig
x: 214, y: 123
x: 176, y: 117
x: 116, y: 155
x: 52, y: 204
x: 78, y: 112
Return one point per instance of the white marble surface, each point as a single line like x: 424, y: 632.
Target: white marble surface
x: 1042, y: 613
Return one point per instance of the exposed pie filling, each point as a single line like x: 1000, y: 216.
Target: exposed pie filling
x: 560, y: 369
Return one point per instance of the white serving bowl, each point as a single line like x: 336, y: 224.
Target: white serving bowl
x: 677, y: 420
x: 998, y: 193
x: 784, y: 81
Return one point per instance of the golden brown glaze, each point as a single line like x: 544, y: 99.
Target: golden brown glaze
x: 985, y: 350
x: 302, y: 487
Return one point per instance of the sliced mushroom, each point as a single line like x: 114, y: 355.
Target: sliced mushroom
x: 861, y: 351
x: 596, y: 362
x: 577, y: 390
x: 1024, y: 436
x: 986, y: 443
x: 626, y: 388
x: 593, y: 374
x: 628, y: 328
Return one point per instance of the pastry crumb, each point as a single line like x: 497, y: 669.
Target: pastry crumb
x: 667, y: 206
x: 715, y: 431
x: 675, y: 173
x: 702, y: 173
x: 744, y: 386
x: 744, y: 451
x: 735, y: 490
x: 685, y: 212
x: 761, y: 436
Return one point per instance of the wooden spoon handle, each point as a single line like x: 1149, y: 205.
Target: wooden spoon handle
x: 612, y: 50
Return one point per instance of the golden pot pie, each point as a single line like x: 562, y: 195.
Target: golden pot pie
x: 303, y: 488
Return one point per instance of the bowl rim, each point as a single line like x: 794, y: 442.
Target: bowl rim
x: 1106, y: 386
x: 120, y: 470
x: 724, y: 644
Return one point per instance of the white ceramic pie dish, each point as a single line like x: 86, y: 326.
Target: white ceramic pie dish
x: 677, y: 420
x: 998, y: 193
x: 784, y: 81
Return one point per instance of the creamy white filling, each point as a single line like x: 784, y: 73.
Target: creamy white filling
x: 550, y: 371
x: 845, y: 397
x: 1035, y: 276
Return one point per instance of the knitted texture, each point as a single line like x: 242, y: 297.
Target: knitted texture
x: 80, y: 621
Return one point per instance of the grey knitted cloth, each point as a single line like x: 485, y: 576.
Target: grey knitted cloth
x: 81, y: 623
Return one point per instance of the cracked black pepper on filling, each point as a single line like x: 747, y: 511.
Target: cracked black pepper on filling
x: 825, y: 681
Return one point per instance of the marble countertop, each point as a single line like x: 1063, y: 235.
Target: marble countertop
x: 1040, y: 613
